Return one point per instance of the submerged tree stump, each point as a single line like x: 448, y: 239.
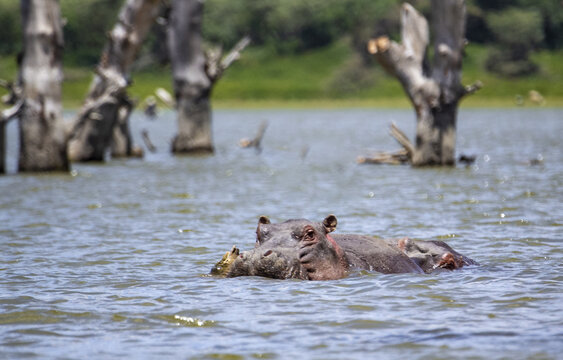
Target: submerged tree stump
x: 434, y: 91
x: 194, y: 75
x: 255, y: 142
x: 43, y: 140
x: 104, y: 117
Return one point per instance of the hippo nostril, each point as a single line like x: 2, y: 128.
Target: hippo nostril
x: 269, y: 252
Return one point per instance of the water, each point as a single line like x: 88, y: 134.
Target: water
x: 111, y: 261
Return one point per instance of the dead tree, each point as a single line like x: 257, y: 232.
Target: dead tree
x: 104, y: 117
x: 434, y: 91
x: 194, y: 74
x: 43, y: 140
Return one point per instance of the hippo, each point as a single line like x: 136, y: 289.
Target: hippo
x: 302, y: 249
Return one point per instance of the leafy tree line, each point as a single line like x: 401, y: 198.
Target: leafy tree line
x: 513, y: 28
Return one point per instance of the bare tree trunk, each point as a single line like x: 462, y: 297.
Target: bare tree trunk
x: 122, y: 142
x: 435, y: 93
x: 192, y: 86
x: 43, y: 141
x: 107, y: 98
x: 194, y: 74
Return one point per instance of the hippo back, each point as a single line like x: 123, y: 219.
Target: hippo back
x: 368, y: 253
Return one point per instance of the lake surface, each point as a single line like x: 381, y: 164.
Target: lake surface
x: 111, y: 261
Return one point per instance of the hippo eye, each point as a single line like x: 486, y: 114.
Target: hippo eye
x: 309, y: 234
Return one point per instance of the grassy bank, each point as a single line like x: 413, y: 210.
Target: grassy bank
x: 328, y: 77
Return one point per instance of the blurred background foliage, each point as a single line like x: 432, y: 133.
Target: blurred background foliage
x: 295, y: 26
x: 504, y: 36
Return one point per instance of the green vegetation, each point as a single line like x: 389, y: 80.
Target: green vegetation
x: 311, y: 77
x: 312, y: 53
x: 517, y: 32
x: 263, y: 78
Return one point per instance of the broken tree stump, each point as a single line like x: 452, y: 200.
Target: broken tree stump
x: 194, y: 74
x: 435, y: 91
x: 256, y: 142
x: 104, y: 117
x: 43, y: 139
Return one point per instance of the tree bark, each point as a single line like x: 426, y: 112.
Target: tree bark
x: 43, y: 140
x: 122, y: 142
x: 107, y: 104
x: 192, y: 86
x: 434, y: 92
x: 194, y: 74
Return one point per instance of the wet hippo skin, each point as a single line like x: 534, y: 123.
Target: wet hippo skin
x: 302, y: 249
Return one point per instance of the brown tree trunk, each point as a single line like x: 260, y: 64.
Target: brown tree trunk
x: 194, y: 74
x: 43, y: 141
x: 435, y: 93
x: 107, y: 99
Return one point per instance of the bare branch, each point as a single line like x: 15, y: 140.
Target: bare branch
x: 11, y: 113
x: 414, y: 33
x: 470, y: 89
x: 212, y: 57
x: 402, y: 139
x: 14, y: 92
x: 399, y: 157
x: 165, y: 97
x: 147, y: 141
x: 390, y: 158
x: 213, y: 68
x: 234, y: 54
x: 405, y: 61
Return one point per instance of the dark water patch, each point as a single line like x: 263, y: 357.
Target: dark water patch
x: 222, y: 356
x: 37, y: 332
x: 18, y: 343
x: 195, y: 250
x: 182, y: 196
x: 361, y: 308
x: 28, y: 317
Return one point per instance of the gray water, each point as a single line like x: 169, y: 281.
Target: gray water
x: 112, y: 260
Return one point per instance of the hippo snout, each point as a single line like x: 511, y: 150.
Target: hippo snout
x: 278, y: 263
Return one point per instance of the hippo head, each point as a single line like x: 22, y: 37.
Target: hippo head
x: 296, y: 248
x: 433, y: 254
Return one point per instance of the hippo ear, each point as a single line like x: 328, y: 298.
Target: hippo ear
x: 330, y: 223
x: 263, y: 220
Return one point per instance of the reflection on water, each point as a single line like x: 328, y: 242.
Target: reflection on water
x: 112, y: 260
